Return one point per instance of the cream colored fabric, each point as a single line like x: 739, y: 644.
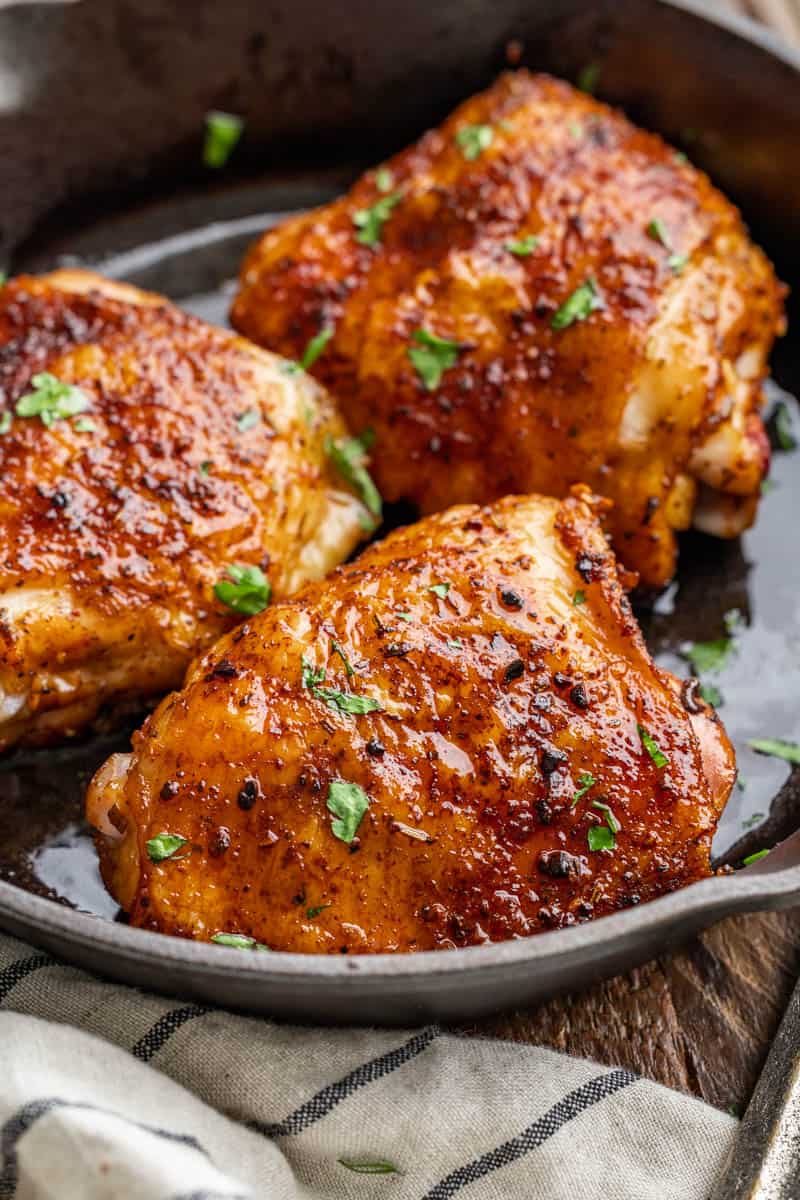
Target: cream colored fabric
x: 107, y: 1093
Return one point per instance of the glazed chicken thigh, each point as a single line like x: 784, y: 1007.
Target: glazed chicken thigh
x: 538, y: 294
x: 458, y: 738
x: 147, y: 463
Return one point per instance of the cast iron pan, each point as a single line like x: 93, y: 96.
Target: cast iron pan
x: 102, y: 104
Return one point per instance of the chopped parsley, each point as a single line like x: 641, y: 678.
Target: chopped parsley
x: 578, y: 598
x: 368, y: 1168
x: 588, y: 77
x: 710, y: 657
x: 439, y: 589
x: 577, y: 307
x: 751, y: 858
x: 600, y: 837
x: 246, y: 590
x: 783, y: 428
x: 311, y: 353
x: 165, y: 845
x: 474, y: 139
x: 3, y: 278
x: 51, y: 400
x: 585, y: 782
x: 5, y: 422
x: 84, y: 425
x: 651, y: 746
x: 346, y: 702
x: 337, y: 649
x: 205, y: 468
x: 347, y: 802
x: 611, y: 821
x: 676, y: 262
x: 223, y: 131
x: 754, y: 819
x: 455, y: 643
x: 432, y: 356
x: 522, y: 247
x: 658, y: 231
x: 248, y: 420
x: 348, y: 458
x: 238, y: 941
x: 311, y: 913
x: 777, y: 748
x: 711, y: 694
x: 404, y: 616
x: 384, y: 179
x: 370, y: 221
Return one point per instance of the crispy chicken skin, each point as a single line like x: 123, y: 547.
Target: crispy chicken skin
x: 115, y: 526
x: 513, y: 683
x: 652, y: 398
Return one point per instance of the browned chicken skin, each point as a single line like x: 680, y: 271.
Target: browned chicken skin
x: 193, y: 450
x: 529, y: 198
x: 477, y: 684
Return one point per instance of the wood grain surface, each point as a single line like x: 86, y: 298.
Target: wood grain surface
x: 701, y: 1020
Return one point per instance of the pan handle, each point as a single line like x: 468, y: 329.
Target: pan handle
x: 765, y: 1160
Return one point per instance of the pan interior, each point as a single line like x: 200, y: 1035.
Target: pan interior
x: 189, y: 248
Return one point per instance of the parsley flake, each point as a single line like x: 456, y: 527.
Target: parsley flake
x: 5, y: 423
x: 248, y: 420
x: 578, y: 598
x: 432, y: 356
x: 711, y: 694
x: 384, y: 179
x: 676, y: 262
x: 348, y: 458
x: 600, y: 837
x: 370, y: 221
x: 311, y: 353
x: 611, y: 820
x: 51, y: 400
x: 205, y: 468
x: 337, y: 649
x: 657, y: 230
x: 474, y: 139
x: 651, y: 746
x: 311, y: 913
x: 369, y: 1168
x: 223, y: 131
x: 84, y: 425
x: 777, y: 748
x: 751, y: 858
x: 246, y: 590
x: 784, y: 433
x: 585, y: 782
x: 404, y: 616
x: 522, y: 247
x: 347, y: 802
x: 346, y: 702
x: 238, y: 941
x: 439, y: 589
x: 164, y: 845
x: 710, y: 657
x: 577, y: 307
x: 588, y: 77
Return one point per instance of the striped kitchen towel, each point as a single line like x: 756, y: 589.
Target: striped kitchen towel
x: 109, y: 1093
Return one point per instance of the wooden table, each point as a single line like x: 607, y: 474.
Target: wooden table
x: 702, y: 1020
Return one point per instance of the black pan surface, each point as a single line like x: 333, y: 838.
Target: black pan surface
x: 186, y: 241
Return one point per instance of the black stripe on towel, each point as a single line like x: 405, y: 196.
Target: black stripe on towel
x: 18, y: 1125
x: 328, y: 1097
x: 159, y: 1034
x: 15, y: 972
x: 535, y: 1135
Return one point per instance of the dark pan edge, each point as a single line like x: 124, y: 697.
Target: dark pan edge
x: 400, y: 989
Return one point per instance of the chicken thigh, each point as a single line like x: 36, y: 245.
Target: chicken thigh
x: 157, y: 477
x: 458, y: 738
x: 537, y: 294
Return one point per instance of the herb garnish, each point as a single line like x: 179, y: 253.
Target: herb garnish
x: 777, y: 748
x: 337, y: 649
x: 751, y: 858
x: 611, y: 821
x: 600, y: 837
x: 587, y: 78
x: 651, y: 746
x: 311, y: 913
x: 248, y: 420
x: 369, y: 1168
x: 51, y: 400
x: 165, y: 845
x: 578, y: 598
x: 347, y: 802
x: 84, y: 425
x: 439, y: 589
x: 577, y: 307
x: 783, y: 427
x: 711, y: 694
x: 205, y: 468
x: 5, y: 423
x: 432, y: 356
x: 657, y: 230
x: 346, y: 702
x: 370, y: 221
x: 708, y: 658
x: 522, y: 247
x: 246, y: 590
x: 223, y: 131
x: 348, y: 458
x: 384, y: 179
x: 311, y: 353
x: 474, y: 139
x: 585, y: 782
x: 238, y: 941
x: 404, y: 616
